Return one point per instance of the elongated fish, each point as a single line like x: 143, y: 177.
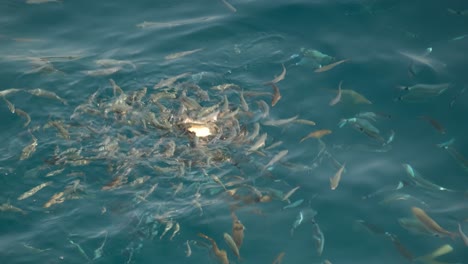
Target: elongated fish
x: 276, y: 158
x: 318, y: 237
x: 278, y: 78
x: 220, y: 254
x: 335, y: 180
x: 317, y: 134
x: 434, y: 124
x: 181, y: 54
x: 420, y: 181
x: 430, y: 224
x: 337, y: 99
x: 279, y: 122
x: 231, y: 244
x: 34, y: 190
x: 276, y: 94
x: 330, y: 66
x: 229, y: 6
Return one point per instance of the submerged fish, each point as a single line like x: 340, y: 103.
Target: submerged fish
x: 420, y: 181
x: 318, y: 237
x: 330, y: 66
x: 278, y: 78
x: 337, y: 99
x: 181, y: 54
x: 353, y: 97
x: 430, y: 224
x: 335, y: 180
x: 421, y: 92
x: 34, y: 190
x: 317, y: 134
x: 434, y: 123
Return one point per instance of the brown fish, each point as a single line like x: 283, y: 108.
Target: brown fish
x: 434, y: 123
x: 237, y: 231
x: 330, y: 66
x: 276, y: 94
x: 279, y: 258
x: 317, y: 134
x: 430, y: 224
x: 56, y: 199
x: 278, y: 78
x: 220, y: 254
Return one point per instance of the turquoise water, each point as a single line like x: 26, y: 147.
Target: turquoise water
x: 90, y: 135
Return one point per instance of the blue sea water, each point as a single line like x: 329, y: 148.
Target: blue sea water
x: 55, y: 45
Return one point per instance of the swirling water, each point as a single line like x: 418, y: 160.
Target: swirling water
x: 56, y: 46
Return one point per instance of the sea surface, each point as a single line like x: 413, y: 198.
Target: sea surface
x: 124, y: 175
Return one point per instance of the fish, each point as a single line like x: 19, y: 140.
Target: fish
x: 9, y: 91
x: 294, y: 204
x: 440, y: 251
x: 305, y: 122
x: 318, y: 134
x: 7, y: 207
x: 399, y: 246
x: 430, y: 224
x: 176, y: 231
x: 297, y: 222
x: 278, y: 78
x: 422, y: 92
x: 353, y: 97
x: 55, y: 199
x: 244, y: 105
x: 99, y: 251
x: 330, y: 66
x: 102, y: 72
x: 237, y: 231
x: 170, y: 81
x: 279, y: 258
x: 188, y: 252
x: 335, y: 180
x: 462, y: 161
x: 274, y: 145
x: 435, y: 65
x: 181, y: 54
x: 455, y: 98
x: 34, y: 190
x: 226, y: 86
x: 291, y: 192
x: 318, y: 237
x: 415, y: 226
x: 276, y: 94
x: 169, y: 225
x: 462, y: 235
x: 112, y: 62
x: 276, y: 158
x: 229, y: 6
x: 23, y: 114
x: 221, y: 255
x: 337, y: 99
x: 420, y: 181
x: 149, y: 24
x: 47, y: 94
x: 279, y: 122
x: 29, y: 149
x: 232, y: 245
x: 258, y: 144
x: 10, y: 106
x: 435, y: 124
x: 374, y: 229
